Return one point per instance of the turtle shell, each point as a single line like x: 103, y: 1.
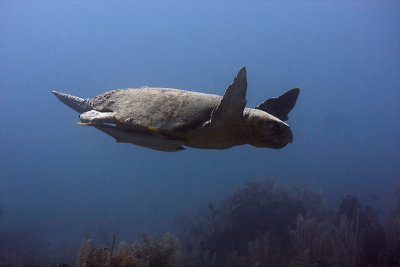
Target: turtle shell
x: 166, y: 109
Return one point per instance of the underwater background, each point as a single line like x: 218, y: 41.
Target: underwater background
x: 61, y: 183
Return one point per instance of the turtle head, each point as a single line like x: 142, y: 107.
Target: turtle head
x: 265, y: 130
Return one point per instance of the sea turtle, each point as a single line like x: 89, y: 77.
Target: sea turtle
x: 167, y: 119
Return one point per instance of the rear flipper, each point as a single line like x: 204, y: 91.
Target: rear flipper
x: 76, y: 103
x: 281, y: 106
x: 96, y: 117
x: 151, y: 139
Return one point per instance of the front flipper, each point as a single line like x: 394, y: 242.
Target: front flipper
x: 151, y: 139
x: 233, y: 103
x: 281, y: 106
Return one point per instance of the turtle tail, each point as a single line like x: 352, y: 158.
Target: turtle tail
x: 76, y: 103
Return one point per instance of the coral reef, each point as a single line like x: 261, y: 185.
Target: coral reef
x: 21, y: 248
x: 267, y: 224
x: 162, y: 252
x: 392, y: 230
x: 251, y: 227
x: 262, y: 224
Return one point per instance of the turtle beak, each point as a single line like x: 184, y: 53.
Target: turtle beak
x: 284, y: 136
x: 286, y: 133
x: 290, y: 136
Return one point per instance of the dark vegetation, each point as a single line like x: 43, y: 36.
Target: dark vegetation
x: 264, y: 224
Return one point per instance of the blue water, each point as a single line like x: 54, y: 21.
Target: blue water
x: 61, y: 182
